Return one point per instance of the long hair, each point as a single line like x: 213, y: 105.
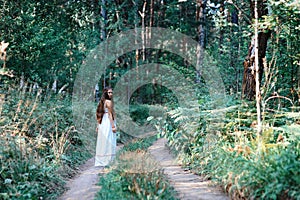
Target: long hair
x: 100, y: 108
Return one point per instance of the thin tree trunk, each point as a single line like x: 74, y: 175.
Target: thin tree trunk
x: 221, y: 33
x: 137, y: 51
x: 248, y: 86
x: 3, y: 47
x: 103, y: 32
x: 238, y: 55
x: 200, y: 16
x: 235, y: 47
x: 142, y: 14
x: 104, y: 17
x: 151, y: 22
x: 136, y: 25
x: 148, y: 29
x: 256, y: 62
x: 298, y: 75
x: 263, y: 36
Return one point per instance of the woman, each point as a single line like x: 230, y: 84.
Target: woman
x: 106, y: 128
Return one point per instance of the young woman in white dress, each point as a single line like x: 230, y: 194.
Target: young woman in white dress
x: 106, y: 128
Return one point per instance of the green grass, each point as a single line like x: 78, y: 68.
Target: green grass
x: 135, y: 175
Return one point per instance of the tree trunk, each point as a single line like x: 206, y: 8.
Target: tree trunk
x: 298, y: 72
x: 137, y: 51
x: 3, y: 47
x: 151, y: 22
x: 257, y: 74
x: 103, y: 32
x: 248, y: 85
x: 148, y: 29
x: 200, y: 16
x: 104, y: 17
x: 142, y: 14
x: 221, y: 33
x: 234, y: 47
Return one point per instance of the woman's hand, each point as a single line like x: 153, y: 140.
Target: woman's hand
x: 114, y: 129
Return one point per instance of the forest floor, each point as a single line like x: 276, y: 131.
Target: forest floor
x: 188, y: 185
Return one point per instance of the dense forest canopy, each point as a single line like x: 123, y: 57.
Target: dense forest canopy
x: 253, y: 45
x: 49, y: 40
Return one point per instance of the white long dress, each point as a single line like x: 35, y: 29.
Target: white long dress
x: 106, y: 142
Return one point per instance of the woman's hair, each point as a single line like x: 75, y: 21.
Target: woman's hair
x: 100, y: 108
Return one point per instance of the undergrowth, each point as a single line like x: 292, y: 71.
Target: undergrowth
x: 135, y: 175
x: 39, y: 148
x: 228, y: 151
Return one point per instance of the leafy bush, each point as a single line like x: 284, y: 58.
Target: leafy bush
x: 139, y: 144
x: 39, y: 145
x: 24, y: 174
x: 139, y: 113
x: 231, y: 154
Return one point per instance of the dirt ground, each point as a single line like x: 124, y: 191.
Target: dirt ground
x: 189, y: 186
x: 84, y: 185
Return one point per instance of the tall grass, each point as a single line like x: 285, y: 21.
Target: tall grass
x: 39, y: 145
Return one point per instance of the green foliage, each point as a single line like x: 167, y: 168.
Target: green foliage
x: 49, y: 41
x: 283, y: 52
x: 46, y: 39
x: 273, y: 176
x: 229, y: 153
x: 24, y: 174
x: 229, y: 42
x: 39, y: 146
x: 139, y: 144
x: 135, y: 175
x: 139, y: 113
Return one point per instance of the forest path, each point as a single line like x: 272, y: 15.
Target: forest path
x: 84, y: 185
x: 189, y: 186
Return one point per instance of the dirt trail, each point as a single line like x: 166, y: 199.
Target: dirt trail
x: 189, y: 186
x: 84, y: 185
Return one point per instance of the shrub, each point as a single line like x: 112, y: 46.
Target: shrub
x: 229, y: 153
x: 39, y: 145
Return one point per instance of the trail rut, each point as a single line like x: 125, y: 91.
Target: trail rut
x: 188, y: 185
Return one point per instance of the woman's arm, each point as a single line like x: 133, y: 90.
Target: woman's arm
x: 110, y: 115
